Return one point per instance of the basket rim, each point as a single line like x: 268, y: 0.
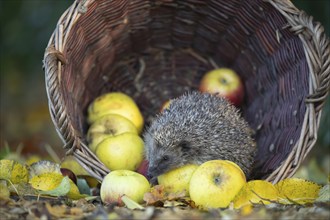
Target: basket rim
x: 317, y: 52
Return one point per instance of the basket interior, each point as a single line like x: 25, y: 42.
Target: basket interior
x: 157, y: 50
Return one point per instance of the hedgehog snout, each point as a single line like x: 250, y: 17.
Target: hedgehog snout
x: 152, y: 174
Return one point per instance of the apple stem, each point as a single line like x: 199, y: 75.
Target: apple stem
x: 224, y: 81
x: 217, y: 180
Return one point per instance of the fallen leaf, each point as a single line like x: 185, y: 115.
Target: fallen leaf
x: 168, y: 203
x: 297, y: 191
x: 43, y: 166
x: 83, y: 186
x: 22, y: 189
x: 176, y: 196
x: 131, y: 204
x: 155, y: 195
x: 4, y: 191
x: 324, y: 194
x: 60, y: 190
x: 50, y: 181
x: 158, y: 197
x: 13, y: 171
x: 62, y: 211
x: 256, y: 191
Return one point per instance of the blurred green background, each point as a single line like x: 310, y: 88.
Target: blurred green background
x: 26, y: 26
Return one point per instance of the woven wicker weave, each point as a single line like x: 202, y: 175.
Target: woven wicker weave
x: 156, y: 50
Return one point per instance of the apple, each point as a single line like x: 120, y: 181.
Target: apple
x: 215, y: 183
x: 177, y: 180
x: 143, y: 168
x: 107, y: 126
x: 115, y: 103
x: 223, y: 82
x: 121, y: 152
x: 165, y: 105
x: 71, y: 163
x: 123, y: 182
x: 69, y: 173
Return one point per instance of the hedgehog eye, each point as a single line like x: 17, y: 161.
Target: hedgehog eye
x: 165, y: 158
x: 185, y: 146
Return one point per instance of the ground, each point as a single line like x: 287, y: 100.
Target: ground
x: 50, y: 208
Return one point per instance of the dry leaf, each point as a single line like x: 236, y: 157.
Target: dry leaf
x: 4, y: 191
x: 324, y: 194
x: 256, y: 191
x: 60, y: 190
x: 131, y: 204
x: 23, y: 189
x: 13, y: 171
x: 43, y: 166
x: 158, y: 197
x: 155, y: 195
x: 176, y: 196
x: 49, y: 181
x: 63, y: 211
x: 297, y: 191
x: 168, y: 203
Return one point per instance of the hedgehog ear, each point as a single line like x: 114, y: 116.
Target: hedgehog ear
x: 184, y: 145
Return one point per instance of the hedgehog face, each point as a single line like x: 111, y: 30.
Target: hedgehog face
x: 163, y: 154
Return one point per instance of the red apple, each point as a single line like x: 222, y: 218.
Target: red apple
x: 224, y: 82
x: 143, y: 168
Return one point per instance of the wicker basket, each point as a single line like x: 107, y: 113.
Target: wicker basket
x: 156, y: 50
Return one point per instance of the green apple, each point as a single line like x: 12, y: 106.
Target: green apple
x: 121, y: 152
x: 116, y: 103
x: 215, y: 183
x: 107, y: 126
x: 177, y: 180
x: 123, y: 182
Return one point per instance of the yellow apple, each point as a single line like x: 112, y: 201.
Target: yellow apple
x: 70, y: 163
x: 121, y: 152
x: 215, y: 183
x: 225, y: 83
x: 115, y: 103
x: 107, y: 126
x: 123, y: 182
x: 177, y: 180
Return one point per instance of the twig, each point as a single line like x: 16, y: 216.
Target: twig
x: 52, y: 153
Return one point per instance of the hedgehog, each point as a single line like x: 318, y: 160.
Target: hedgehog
x: 195, y: 128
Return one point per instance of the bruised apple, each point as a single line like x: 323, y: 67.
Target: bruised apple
x: 123, y: 182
